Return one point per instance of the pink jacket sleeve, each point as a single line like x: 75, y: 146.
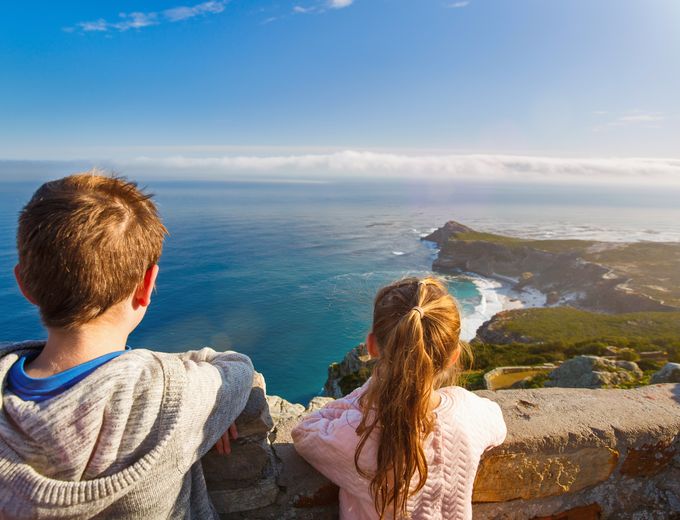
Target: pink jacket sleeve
x: 485, y: 417
x: 327, y: 439
x: 497, y: 428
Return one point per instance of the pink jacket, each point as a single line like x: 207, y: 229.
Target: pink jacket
x: 466, y: 425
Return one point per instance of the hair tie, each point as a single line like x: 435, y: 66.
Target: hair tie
x: 420, y: 311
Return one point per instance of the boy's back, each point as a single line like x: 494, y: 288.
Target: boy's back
x: 88, y: 427
x: 125, y: 442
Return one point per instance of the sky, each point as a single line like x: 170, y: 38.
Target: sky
x: 532, y: 88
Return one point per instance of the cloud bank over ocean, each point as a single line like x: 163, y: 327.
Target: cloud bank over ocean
x: 357, y: 165
x: 365, y: 164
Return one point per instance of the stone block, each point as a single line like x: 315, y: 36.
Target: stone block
x: 511, y: 476
x: 648, y: 460
x: 281, y: 409
x: 245, y: 464
x: 304, y: 486
x: 318, y: 403
x: 669, y: 373
x: 255, y: 420
x: 259, y: 495
x: 589, y: 512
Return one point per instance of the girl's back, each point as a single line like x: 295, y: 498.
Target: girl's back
x: 465, y: 426
x: 397, y: 446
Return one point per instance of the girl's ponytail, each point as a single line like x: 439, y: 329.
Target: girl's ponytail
x: 416, y: 326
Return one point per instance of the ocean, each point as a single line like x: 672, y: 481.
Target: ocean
x: 286, y: 272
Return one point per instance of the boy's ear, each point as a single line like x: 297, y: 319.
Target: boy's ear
x: 143, y: 294
x: 20, y: 283
x: 372, y: 346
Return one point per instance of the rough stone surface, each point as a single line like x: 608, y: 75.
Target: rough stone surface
x: 260, y: 495
x: 255, y: 420
x: 593, y: 372
x: 552, y: 422
x: 279, y: 408
x: 511, y: 476
x: 244, y: 465
x: 589, y: 512
x: 669, y: 373
x: 649, y: 459
x: 318, y: 402
x: 305, y: 489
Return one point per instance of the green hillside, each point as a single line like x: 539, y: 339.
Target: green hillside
x: 556, y: 334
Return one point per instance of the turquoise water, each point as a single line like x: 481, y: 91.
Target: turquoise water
x: 286, y: 273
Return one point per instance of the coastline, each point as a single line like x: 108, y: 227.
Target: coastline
x: 497, y: 295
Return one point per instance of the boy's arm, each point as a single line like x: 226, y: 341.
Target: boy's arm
x: 217, y: 389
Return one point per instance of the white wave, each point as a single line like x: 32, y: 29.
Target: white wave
x: 490, y: 304
x: 398, y: 253
x: 497, y: 296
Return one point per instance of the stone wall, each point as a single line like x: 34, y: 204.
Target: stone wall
x: 570, y: 454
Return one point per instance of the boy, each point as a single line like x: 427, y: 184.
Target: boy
x: 89, y: 428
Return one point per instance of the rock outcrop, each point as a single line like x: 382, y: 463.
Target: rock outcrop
x: 443, y: 234
x: 669, y: 373
x: 593, y: 372
x: 350, y: 373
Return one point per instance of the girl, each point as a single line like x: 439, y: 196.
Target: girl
x: 405, y: 445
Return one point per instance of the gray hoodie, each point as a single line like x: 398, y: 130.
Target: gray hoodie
x: 125, y: 442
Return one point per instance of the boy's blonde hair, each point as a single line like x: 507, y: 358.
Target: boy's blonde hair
x: 416, y: 325
x: 85, y: 243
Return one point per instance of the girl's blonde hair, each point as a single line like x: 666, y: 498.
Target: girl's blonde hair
x: 416, y: 325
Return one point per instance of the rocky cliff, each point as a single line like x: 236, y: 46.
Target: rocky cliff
x: 591, y: 275
x: 350, y: 373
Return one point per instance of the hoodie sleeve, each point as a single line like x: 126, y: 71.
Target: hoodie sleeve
x: 327, y: 439
x: 217, y: 389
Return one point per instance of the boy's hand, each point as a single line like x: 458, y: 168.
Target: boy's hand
x: 223, y: 445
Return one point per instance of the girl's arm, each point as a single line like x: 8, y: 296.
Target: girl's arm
x: 489, y: 422
x: 327, y: 439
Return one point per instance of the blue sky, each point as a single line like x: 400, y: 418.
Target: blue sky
x: 131, y: 79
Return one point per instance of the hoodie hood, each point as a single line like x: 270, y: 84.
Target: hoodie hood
x: 88, y: 445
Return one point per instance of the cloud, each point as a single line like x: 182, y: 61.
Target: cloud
x: 633, y: 118
x: 642, y: 118
x: 138, y: 20
x: 477, y: 167
x: 458, y: 5
x: 97, y: 25
x: 182, y: 13
x: 339, y: 4
x: 322, y: 6
x: 302, y: 10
